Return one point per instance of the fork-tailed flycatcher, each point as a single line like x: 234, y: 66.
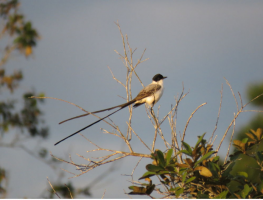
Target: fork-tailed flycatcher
x: 150, y: 95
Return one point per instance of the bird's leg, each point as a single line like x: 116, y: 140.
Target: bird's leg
x: 152, y: 111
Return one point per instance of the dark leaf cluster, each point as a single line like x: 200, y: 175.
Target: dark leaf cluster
x: 195, y: 172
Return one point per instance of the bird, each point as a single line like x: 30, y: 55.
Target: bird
x: 150, y: 94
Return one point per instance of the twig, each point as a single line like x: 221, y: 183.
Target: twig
x: 239, y: 111
x: 53, y: 188
x: 240, y: 99
x: 156, y: 129
x: 214, y: 140
x: 232, y: 92
x: 220, y: 105
x: 115, y: 77
x: 103, y: 194
x: 135, y: 167
x: 230, y: 141
x: 190, y: 119
x: 252, y: 110
x: 59, y: 100
x: 139, y: 137
x: 69, y: 191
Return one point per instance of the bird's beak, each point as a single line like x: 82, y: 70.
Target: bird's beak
x: 164, y: 77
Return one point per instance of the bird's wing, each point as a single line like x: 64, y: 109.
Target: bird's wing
x: 147, y: 91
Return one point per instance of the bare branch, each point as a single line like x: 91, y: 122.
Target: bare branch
x: 115, y: 77
x: 103, y: 194
x: 190, y: 119
x: 230, y: 141
x: 240, y: 99
x: 232, y: 92
x: 53, y: 189
x: 59, y: 100
x: 220, y: 105
x: 239, y: 111
x: 138, y: 137
x: 69, y: 192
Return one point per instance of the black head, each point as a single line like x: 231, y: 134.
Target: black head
x: 158, y: 77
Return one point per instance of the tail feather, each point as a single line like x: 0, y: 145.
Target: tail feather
x: 98, y: 111
x: 137, y: 104
x: 87, y: 126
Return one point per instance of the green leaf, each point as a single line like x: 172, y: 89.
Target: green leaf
x: 150, y: 189
x: 190, y: 179
x: 131, y: 187
x: 168, y: 156
x: 242, y: 174
x: 202, y: 196
x: 214, y: 168
x: 222, y: 195
x: 138, y: 190
x: 170, y: 168
x: 215, y: 159
x: 245, y: 191
x: 186, y: 152
x: 235, y: 156
x: 147, y: 175
x: 245, y: 140
x: 199, y: 140
x: 160, y: 158
x: 184, y: 176
x: 178, y: 192
x: 174, y: 189
x: 163, y: 172
x: 228, y: 169
x: 260, y: 187
x: 153, y: 168
x: 187, y: 147
x: 204, y: 157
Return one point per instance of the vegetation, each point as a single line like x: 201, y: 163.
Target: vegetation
x: 19, y: 37
x: 180, y: 171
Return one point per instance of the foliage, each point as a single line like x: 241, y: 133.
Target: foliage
x: 28, y: 118
x: 17, y: 34
x: 200, y: 175
x: 24, y: 38
x: 24, y: 114
x: 181, y: 170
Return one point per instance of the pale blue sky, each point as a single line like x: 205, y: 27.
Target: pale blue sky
x: 195, y: 42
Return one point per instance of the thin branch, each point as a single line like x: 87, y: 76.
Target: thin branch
x: 59, y: 100
x: 53, y: 188
x: 103, y: 194
x: 115, y: 77
x: 230, y: 141
x: 136, y: 167
x: 139, y: 137
x: 241, y: 102
x: 69, y: 192
x: 232, y: 92
x: 190, y: 119
x: 240, y: 111
x: 214, y: 140
x: 156, y: 129
x: 123, y: 42
x: 220, y: 105
x: 252, y: 110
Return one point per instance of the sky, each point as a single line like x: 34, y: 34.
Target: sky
x: 194, y: 43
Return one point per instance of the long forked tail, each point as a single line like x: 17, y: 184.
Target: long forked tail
x: 98, y: 111
x: 121, y: 107
x: 87, y: 126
